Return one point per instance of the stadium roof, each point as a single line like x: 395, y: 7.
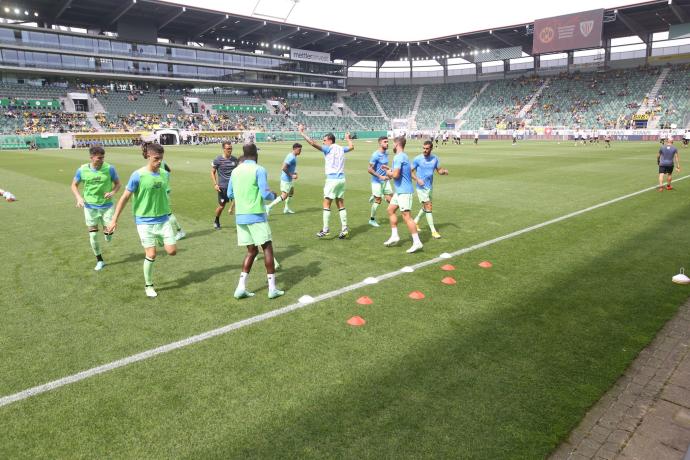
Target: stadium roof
x: 194, y: 24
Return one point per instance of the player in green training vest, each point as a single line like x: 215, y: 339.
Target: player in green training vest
x: 173, y: 220
x: 148, y: 186
x: 248, y: 186
x: 101, y: 183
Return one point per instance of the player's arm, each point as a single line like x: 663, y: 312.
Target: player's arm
x: 286, y: 170
x: 122, y: 202
x: 214, y: 177
x: 117, y: 185
x: 350, y: 145
x: 416, y: 179
x: 658, y: 156
x: 309, y: 140
x: 442, y: 171
x: 262, y: 182
x: 677, y: 158
x: 75, y: 192
x: 393, y: 173
x: 231, y: 192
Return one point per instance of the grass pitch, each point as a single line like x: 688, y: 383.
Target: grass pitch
x: 502, y: 365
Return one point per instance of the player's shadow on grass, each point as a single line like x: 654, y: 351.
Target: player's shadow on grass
x: 198, y: 276
x: 198, y: 233
x: 139, y: 257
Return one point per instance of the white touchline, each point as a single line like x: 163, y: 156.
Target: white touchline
x: 304, y: 301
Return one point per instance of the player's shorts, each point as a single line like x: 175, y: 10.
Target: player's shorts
x: 253, y: 234
x: 403, y: 201
x: 665, y: 169
x: 685, y: 141
x: 223, y: 196
x: 93, y: 216
x: 285, y: 186
x: 152, y: 235
x: 334, y: 188
x: 381, y: 189
x: 424, y: 195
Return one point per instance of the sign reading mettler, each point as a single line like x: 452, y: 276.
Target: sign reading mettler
x: 569, y: 32
x: 312, y: 56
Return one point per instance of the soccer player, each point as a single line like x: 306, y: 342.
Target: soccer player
x: 221, y: 169
x: 287, y: 175
x: 334, y: 189
x: 515, y: 134
x: 380, y: 185
x: 7, y: 195
x: 179, y: 233
x: 248, y: 186
x: 148, y: 188
x: 402, y: 179
x: 101, y: 183
x: 476, y: 137
x: 686, y: 138
x: 423, y: 168
x: 667, y: 155
x: 607, y: 141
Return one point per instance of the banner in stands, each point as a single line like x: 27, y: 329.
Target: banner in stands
x: 569, y: 32
x: 239, y: 108
x: 311, y: 56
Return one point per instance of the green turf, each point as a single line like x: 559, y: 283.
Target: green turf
x: 501, y: 365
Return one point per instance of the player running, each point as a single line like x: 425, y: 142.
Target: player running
x: 221, y: 169
x: 667, y: 155
x: 334, y: 189
x: 402, y: 179
x: 101, y: 183
x: 179, y: 233
x: 423, y: 168
x: 148, y: 188
x: 380, y: 185
x: 287, y: 175
x: 248, y: 186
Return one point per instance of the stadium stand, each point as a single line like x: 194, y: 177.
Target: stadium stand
x: 673, y: 101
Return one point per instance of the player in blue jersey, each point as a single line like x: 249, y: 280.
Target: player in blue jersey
x: 401, y: 173
x: 380, y: 184
x: 423, y: 168
x: 287, y: 176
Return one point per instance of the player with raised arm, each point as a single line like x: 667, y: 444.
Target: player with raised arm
x: 101, y: 183
x: 287, y: 175
x: 148, y: 189
x: 221, y: 170
x: 334, y: 189
x: 402, y: 179
x: 380, y: 184
x: 248, y: 186
x: 423, y: 168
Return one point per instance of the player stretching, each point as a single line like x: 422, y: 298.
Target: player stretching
x: 667, y: 155
x: 380, y: 185
x: 402, y: 178
x: 423, y: 168
x: 334, y: 189
x: 248, y: 186
x: 287, y: 175
x: 101, y: 183
x: 221, y: 169
x: 179, y: 233
x: 148, y: 186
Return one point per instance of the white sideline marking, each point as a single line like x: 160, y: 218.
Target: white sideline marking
x: 37, y: 390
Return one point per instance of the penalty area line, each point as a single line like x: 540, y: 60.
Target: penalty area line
x: 305, y: 301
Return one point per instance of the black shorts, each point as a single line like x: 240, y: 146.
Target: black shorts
x: 685, y: 141
x: 665, y: 169
x: 223, y: 196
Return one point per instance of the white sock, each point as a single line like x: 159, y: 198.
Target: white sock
x: 271, y: 282
x: 394, y: 232
x: 415, y: 238
x: 242, y: 285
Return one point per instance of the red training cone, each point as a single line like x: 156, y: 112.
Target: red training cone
x: 486, y: 264
x: 364, y: 300
x: 356, y: 321
x: 416, y: 295
x: 447, y: 268
x: 448, y: 280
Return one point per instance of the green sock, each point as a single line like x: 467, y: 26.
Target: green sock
x: 148, y: 271
x: 287, y: 202
x: 275, y: 202
x: 343, y: 217
x: 430, y: 221
x: 419, y: 216
x: 95, y: 245
x: 326, y: 218
x: 174, y: 223
x: 374, y: 207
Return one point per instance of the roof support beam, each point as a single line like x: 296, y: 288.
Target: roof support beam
x: 313, y: 40
x: 390, y: 53
x: 171, y: 17
x: 61, y: 8
x: 442, y: 50
x: 209, y: 26
x: 376, y: 51
x: 284, y: 35
x: 504, y: 40
x: 679, y: 12
x: 252, y: 30
x: 425, y: 51
x: 119, y: 13
x: 337, y: 45
x: 633, y: 26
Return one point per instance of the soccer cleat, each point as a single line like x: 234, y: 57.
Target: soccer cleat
x: 242, y: 294
x: 436, y: 235
x: 418, y: 229
x: 181, y: 234
x: 345, y: 233
x: 668, y: 187
x: 660, y: 189
x: 216, y: 225
x: 391, y: 241
x: 373, y: 223
x: 323, y: 232
x: 275, y: 293
x: 100, y: 265
x: 415, y: 247
x: 150, y: 291
x: 288, y: 211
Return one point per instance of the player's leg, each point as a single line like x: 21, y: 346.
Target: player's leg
x: 92, y: 218
x: 328, y: 197
x: 288, y: 198
x: 241, y: 290
x: 149, y: 259
x: 661, y: 181
x: 376, y: 198
x: 393, y: 219
x: 342, y: 213
x: 273, y: 291
x: 668, y: 180
x: 405, y: 209
x: 107, y: 218
x: 222, y: 199
x: 427, y: 208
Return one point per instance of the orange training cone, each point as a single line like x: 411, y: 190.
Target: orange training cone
x: 449, y: 281
x: 447, y: 268
x: 416, y: 295
x: 364, y: 300
x: 356, y: 321
x: 486, y: 264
